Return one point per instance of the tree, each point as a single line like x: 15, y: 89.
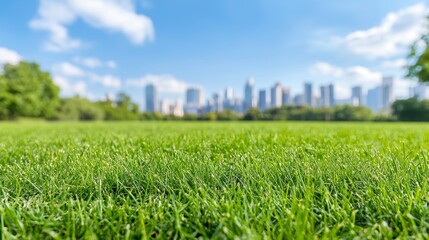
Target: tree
x: 411, y: 110
x: 79, y: 109
x: 418, y: 67
x: 352, y: 113
x: 253, y: 114
x: 27, y: 91
x: 122, y: 109
x: 228, y: 115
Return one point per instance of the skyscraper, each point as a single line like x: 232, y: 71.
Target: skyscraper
x: 308, y: 94
x: 248, y: 95
x: 331, y: 95
x: 151, y: 98
x: 228, y: 99
x: 325, y: 96
x: 193, y: 100
x: 217, y: 103
x: 298, y: 100
x: 262, y: 100
x: 387, y: 92
x: 276, y: 95
x: 286, y: 98
x: 357, y: 96
x: 375, y: 99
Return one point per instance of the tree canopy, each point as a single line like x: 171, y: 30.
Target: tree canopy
x: 26, y: 90
x: 418, y: 67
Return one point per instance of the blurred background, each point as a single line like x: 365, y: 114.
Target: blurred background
x: 212, y: 59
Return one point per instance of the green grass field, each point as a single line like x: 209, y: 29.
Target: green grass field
x: 213, y: 180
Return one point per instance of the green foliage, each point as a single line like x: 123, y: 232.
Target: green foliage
x: 121, y: 110
x: 352, y: 113
x: 241, y: 180
x: 191, y: 117
x: 152, y: 116
x: 411, y: 110
x: 211, y: 116
x: 27, y: 91
x: 253, y: 114
x: 76, y: 108
x: 419, y: 59
x: 228, y: 115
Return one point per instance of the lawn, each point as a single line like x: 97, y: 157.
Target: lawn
x: 281, y: 180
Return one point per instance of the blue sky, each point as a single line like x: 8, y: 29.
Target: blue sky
x: 106, y: 46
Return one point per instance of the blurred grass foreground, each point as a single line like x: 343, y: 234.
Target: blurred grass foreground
x: 213, y: 180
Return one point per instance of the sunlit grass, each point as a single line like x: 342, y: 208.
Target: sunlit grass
x: 213, y: 180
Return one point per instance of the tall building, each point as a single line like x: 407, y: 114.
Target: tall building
x: 248, y: 95
x: 193, y: 100
x: 286, y: 98
x: 262, y: 100
x: 308, y: 94
x: 331, y: 95
x: 374, y: 99
x: 217, y: 103
x: 325, y: 95
x: 151, y: 98
x: 228, y: 99
x: 357, y: 96
x: 387, y: 93
x: 298, y: 100
x: 276, y: 95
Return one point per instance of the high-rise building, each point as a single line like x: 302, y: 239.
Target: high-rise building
x: 151, y: 98
x: 276, y: 95
x: 357, y: 96
x: 193, y: 100
x: 217, y: 103
x: 324, y: 100
x: 262, y: 99
x: 298, y: 100
x: 308, y: 94
x: 327, y: 97
x: 228, y: 99
x: 375, y: 99
x: 286, y: 98
x: 387, y: 93
x: 331, y: 95
x: 248, y: 95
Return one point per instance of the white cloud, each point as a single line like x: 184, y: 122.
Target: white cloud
x: 69, y: 88
x: 399, y: 64
x: 164, y: 83
x: 68, y: 69
x: 114, y: 15
x: 106, y: 80
x: 92, y: 62
x: 65, y: 71
x: 327, y: 69
x: 402, y: 87
x: 111, y: 64
x: 391, y: 38
x: 355, y: 74
x: 9, y: 56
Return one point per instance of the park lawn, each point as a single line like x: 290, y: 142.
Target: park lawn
x: 254, y: 180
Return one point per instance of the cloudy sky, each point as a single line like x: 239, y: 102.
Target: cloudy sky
x: 94, y: 47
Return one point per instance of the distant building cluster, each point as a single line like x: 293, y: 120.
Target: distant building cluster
x: 378, y: 99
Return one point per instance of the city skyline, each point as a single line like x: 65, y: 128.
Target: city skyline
x: 378, y: 99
